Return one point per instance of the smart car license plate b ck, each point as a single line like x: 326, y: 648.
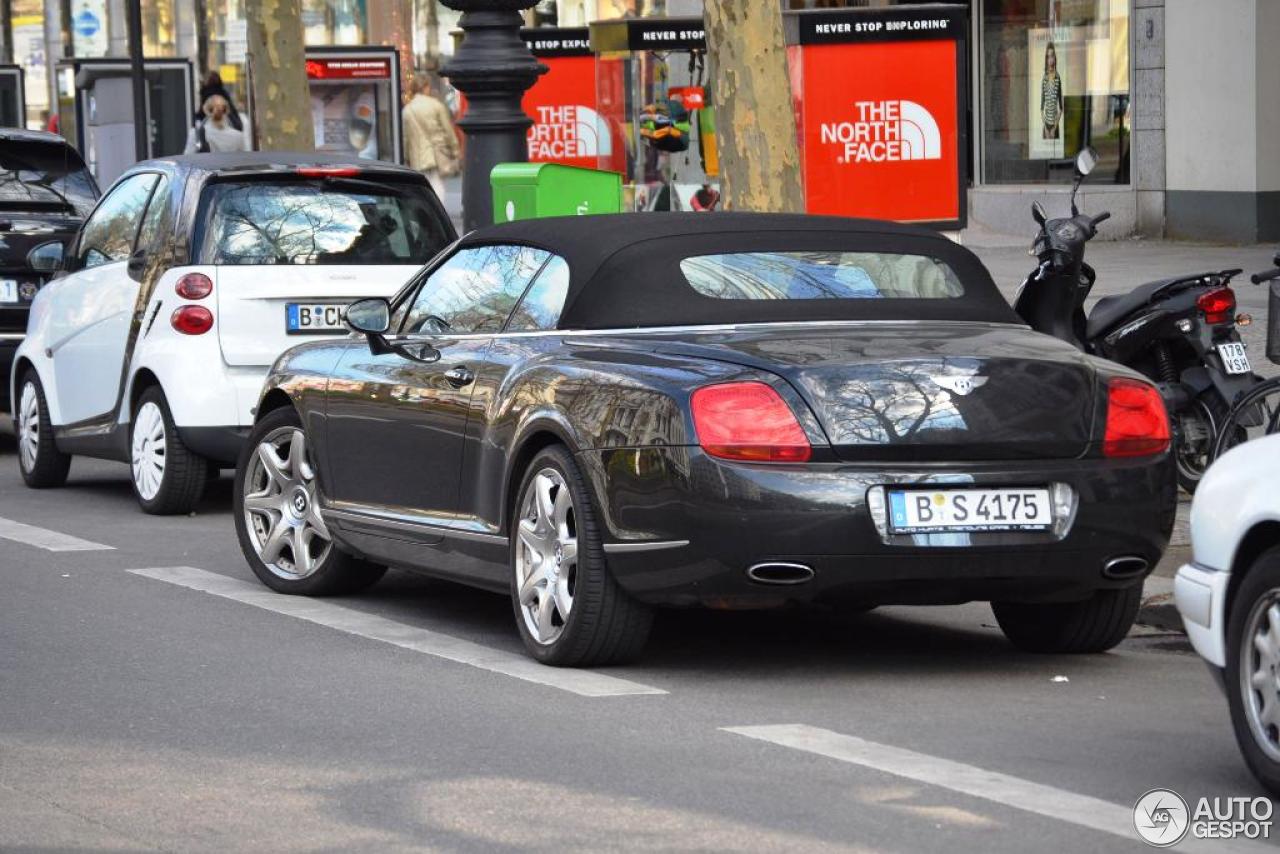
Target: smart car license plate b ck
x: 302, y: 318
x: 970, y: 510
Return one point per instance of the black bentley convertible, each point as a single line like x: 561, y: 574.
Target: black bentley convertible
x: 598, y: 416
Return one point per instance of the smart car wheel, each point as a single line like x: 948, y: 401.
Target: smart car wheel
x: 1093, y: 625
x: 277, y: 515
x: 168, y: 478
x: 41, y: 463
x: 1253, y: 668
x: 569, y: 610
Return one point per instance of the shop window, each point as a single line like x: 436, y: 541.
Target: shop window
x: 1054, y: 78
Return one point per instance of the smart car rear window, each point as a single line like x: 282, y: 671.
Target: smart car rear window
x: 319, y: 222
x: 820, y: 275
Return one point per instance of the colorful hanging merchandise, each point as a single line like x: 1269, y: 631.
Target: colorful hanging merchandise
x: 665, y: 125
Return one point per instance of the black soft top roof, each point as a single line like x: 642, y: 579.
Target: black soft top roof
x: 624, y: 268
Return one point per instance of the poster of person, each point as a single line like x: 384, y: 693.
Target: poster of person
x: 345, y: 116
x: 1057, y: 70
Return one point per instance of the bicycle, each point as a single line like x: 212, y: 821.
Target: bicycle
x: 1256, y: 413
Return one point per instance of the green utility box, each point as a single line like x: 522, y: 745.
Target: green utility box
x: 536, y: 190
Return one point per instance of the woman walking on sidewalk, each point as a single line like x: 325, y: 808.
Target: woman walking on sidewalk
x: 431, y: 145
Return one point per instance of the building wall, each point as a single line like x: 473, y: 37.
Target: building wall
x: 1222, y: 128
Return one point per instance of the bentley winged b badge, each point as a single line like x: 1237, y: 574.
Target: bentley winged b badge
x: 960, y: 385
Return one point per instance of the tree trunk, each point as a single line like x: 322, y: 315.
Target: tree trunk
x: 755, y: 121
x: 281, y: 102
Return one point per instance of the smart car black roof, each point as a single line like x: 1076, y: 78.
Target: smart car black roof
x: 624, y: 268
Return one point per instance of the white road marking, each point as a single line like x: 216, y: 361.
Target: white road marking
x: 45, y: 539
x: 335, y: 616
x: 977, y: 782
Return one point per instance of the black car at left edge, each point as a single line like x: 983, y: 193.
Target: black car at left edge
x: 600, y: 415
x: 45, y: 193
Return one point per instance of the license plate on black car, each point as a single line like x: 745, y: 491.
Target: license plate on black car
x: 8, y: 290
x: 917, y: 511
x: 303, y: 317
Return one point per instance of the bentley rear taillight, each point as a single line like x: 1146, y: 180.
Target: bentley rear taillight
x: 1218, y: 305
x: 1137, y: 422
x: 748, y: 422
x: 192, y: 319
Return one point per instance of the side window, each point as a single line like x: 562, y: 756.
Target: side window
x: 474, y: 291
x: 540, y: 309
x: 108, y: 234
x: 154, y: 220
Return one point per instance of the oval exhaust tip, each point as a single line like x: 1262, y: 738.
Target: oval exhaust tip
x: 775, y: 572
x: 1125, y: 567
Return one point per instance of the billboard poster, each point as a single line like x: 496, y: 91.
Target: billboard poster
x: 567, y: 127
x: 345, y: 116
x: 1059, y: 65
x: 887, y: 144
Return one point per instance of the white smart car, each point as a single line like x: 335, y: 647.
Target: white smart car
x: 183, y: 286
x: 1229, y: 595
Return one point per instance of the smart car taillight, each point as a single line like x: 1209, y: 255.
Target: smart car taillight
x: 1218, y: 305
x: 194, y: 286
x: 748, y: 421
x: 328, y: 171
x: 192, y: 319
x: 1137, y: 423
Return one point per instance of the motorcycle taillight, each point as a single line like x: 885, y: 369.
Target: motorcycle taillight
x: 1219, y: 305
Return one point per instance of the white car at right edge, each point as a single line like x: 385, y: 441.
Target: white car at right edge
x: 1229, y: 594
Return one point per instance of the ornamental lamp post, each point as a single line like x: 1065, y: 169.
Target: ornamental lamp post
x: 493, y: 68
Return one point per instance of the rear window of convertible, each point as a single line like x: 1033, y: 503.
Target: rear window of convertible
x: 325, y: 221
x: 820, y: 275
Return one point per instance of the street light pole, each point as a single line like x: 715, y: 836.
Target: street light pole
x: 138, y: 80
x: 493, y: 68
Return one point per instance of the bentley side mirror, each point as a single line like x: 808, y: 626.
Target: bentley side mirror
x: 137, y: 264
x: 46, y: 258
x: 369, y: 316
x: 1086, y: 160
x: 1037, y: 213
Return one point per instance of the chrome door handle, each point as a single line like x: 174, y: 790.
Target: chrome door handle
x: 459, y: 376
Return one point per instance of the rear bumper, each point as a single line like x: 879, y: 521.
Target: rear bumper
x: 220, y: 445
x: 8, y: 348
x: 1201, y: 596
x: 715, y: 520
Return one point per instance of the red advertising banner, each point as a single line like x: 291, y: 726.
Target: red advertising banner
x: 886, y: 142
x: 348, y: 69
x: 567, y: 126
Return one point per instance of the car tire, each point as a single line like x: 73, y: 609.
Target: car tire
x: 1093, y: 625
x: 557, y: 563
x: 42, y: 465
x: 1252, y: 624
x: 168, y: 478
x: 277, y: 515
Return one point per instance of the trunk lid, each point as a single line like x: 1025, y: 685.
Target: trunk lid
x: 925, y: 391
x: 253, y: 301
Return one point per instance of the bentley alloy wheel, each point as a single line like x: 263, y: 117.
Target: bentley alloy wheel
x: 280, y: 508
x: 546, y: 556
x: 1260, y: 673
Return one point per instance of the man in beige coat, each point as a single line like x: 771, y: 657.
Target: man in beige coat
x: 431, y: 145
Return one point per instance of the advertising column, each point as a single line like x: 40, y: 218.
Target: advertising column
x: 355, y: 101
x: 880, y: 99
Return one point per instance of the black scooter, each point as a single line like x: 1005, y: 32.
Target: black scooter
x: 1179, y: 332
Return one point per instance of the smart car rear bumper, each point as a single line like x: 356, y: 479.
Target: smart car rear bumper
x: 709, y: 522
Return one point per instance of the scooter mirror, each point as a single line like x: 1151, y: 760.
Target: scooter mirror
x: 1037, y: 213
x: 1086, y: 160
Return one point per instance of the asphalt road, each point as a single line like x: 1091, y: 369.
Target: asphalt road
x: 154, y: 696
